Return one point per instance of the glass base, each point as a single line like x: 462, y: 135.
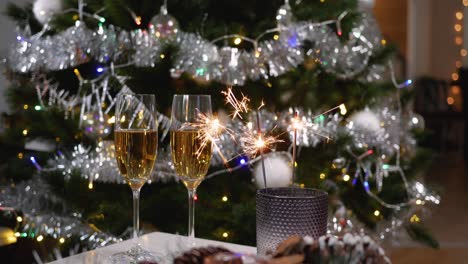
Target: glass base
x: 136, y: 255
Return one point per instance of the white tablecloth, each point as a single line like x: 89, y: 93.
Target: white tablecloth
x: 163, y: 244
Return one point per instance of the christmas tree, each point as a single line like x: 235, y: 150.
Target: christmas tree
x: 72, y: 58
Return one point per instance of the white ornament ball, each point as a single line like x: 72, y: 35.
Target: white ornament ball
x: 44, y: 9
x: 366, y: 120
x: 278, y: 170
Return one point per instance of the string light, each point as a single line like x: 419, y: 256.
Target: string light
x: 138, y: 20
x: 34, y: 162
x: 100, y: 69
x: 242, y: 161
x: 459, y: 39
x: 20, y: 155
x: 376, y: 212
x: 383, y: 42
x: 346, y: 177
x: 19, y: 219
x: 276, y: 37
x: 25, y: 107
x: 322, y: 176
x: 343, y: 110
x: 25, y: 132
x: 455, y: 89
x: 463, y: 52
x: 90, y: 185
x: 162, y: 56
x: 237, y: 41
x: 450, y: 100
x: 418, y: 202
x: 57, y: 139
x: 366, y: 186
x: 78, y: 75
x: 62, y: 240
x: 224, y: 199
x: 414, y: 219
x: 40, y: 238
x: 37, y: 107
x: 225, y: 234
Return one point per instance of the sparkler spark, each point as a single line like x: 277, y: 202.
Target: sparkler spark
x: 254, y: 143
x: 239, y: 106
x: 210, y: 130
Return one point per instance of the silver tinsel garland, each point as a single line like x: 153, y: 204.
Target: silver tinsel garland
x: 46, y: 214
x: 197, y: 56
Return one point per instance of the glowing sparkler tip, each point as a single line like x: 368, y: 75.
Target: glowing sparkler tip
x: 259, y: 143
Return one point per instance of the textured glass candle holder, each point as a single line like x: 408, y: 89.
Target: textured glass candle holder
x: 283, y: 212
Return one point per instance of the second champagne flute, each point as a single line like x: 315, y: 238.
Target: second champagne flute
x: 190, y: 153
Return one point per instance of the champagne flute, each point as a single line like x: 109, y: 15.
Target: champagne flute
x: 136, y: 145
x: 190, y: 152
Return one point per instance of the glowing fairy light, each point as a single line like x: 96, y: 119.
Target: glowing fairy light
x: 238, y: 106
x: 137, y: 20
x: 237, y: 41
x: 343, y: 110
x: 34, y: 162
x: 78, y: 75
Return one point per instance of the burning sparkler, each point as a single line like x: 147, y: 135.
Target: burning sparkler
x: 210, y: 130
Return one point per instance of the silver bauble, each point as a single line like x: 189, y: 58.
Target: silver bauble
x: 95, y: 125
x: 164, y: 25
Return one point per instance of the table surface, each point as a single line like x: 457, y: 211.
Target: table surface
x: 163, y: 244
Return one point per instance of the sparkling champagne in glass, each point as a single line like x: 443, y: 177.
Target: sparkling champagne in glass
x: 136, y: 145
x: 191, y: 152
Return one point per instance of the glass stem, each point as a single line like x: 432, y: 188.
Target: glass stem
x: 136, y: 212
x: 191, y: 212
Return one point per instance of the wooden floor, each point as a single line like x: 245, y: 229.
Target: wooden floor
x: 449, y: 220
